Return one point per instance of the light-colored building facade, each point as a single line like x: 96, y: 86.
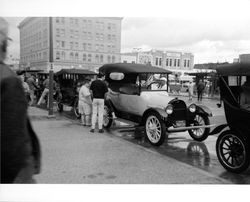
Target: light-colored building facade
x: 244, y: 58
x: 69, y: 42
x: 170, y: 60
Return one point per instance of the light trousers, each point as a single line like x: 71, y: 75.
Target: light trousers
x: 97, y: 108
x: 45, y: 92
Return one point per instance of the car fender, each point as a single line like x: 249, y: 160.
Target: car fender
x: 203, y: 110
x: 160, y: 111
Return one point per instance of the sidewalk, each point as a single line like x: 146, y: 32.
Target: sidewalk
x: 73, y: 155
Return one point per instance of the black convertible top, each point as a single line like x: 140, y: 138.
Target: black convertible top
x: 75, y: 71
x: 234, y: 69
x: 131, y: 68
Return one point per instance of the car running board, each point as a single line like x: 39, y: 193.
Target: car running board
x: 189, y: 128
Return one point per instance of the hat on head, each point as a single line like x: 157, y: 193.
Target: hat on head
x: 3, y: 30
x: 163, y: 79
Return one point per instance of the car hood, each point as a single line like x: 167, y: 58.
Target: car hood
x: 158, y: 99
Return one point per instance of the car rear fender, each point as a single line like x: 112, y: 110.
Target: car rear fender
x: 160, y: 111
x: 201, y: 109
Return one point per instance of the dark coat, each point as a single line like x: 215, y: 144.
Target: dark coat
x: 19, y: 144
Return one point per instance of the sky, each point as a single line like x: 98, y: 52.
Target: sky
x: 214, y: 31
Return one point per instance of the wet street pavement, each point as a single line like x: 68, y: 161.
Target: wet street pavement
x: 180, y: 146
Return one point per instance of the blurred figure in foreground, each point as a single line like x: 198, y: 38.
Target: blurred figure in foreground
x: 20, y: 150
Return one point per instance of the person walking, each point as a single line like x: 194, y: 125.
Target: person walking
x: 200, y: 89
x: 190, y: 90
x: 26, y: 88
x: 33, y: 86
x: 20, y: 148
x: 46, y: 91
x: 99, y: 90
x: 85, y: 103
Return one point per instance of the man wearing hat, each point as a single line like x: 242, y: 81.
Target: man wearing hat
x: 20, y: 151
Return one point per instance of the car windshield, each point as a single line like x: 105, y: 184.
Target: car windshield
x: 153, y: 82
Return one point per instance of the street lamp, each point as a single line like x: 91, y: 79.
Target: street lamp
x: 51, y: 85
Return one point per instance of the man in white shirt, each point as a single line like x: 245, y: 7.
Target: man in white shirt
x: 85, y: 103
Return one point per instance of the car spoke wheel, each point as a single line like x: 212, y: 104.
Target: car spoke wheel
x: 232, y: 152
x: 155, y: 129
x: 200, y: 134
x: 107, y: 117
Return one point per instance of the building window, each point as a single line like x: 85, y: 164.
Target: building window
x: 63, y: 55
x: 97, y: 36
x: 84, y: 46
x: 63, y: 32
x: 170, y: 62
x: 113, y: 38
x: 175, y: 62
x: 76, y: 45
x: 76, y: 56
x: 101, y: 58
x: 109, y: 37
x: 113, y: 59
x: 89, y: 57
x: 109, y: 26
x: 71, y: 45
x: 167, y: 62
x: 76, y: 21
x: 156, y: 61
x: 71, y: 21
x: 62, y: 20
x: 57, y: 55
x: 89, y: 23
x: 97, y: 47
x: 57, y: 20
x: 109, y: 59
x: 101, y: 47
x: 71, y: 33
x: 184, y: 63
x: 71, y: 56
x: 89, y: 35
x: 89, y: 46
x: 84, y: 57
x: 160, y: 61
x: 97, y: 58
x: 101, y: 37
x: 63, y: 44
x: 76, y: 34
x: 58, y: 32
x: 188, y: 63
x: 178, y: 63
x: 84, y: 35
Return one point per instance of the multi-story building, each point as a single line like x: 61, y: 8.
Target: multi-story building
x: 69, y: 42
x: 170, y: 60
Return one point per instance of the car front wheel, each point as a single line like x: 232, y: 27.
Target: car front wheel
x: 155, y: 129
x: 200, y: 134
x: 233, y: 152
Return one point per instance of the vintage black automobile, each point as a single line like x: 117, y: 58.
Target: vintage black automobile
x: 137, y: 94
x: 69, y: 81
x: 232, y: 145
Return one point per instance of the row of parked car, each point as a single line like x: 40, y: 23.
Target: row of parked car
x: 133, y: 96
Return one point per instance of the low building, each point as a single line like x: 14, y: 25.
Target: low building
x: 170, y: 60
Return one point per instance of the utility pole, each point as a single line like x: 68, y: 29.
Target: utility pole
x: 51, y: 74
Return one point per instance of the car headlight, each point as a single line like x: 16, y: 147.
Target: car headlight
x: 169, y: 109
x: 192, y: 108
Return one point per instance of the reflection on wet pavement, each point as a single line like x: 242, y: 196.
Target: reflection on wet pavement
x: 181, y: 147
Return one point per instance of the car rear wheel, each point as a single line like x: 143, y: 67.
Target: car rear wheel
x: 233, y: 152
x: 107, y: 117
x: 200, y: 134
x: 155, y: 129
